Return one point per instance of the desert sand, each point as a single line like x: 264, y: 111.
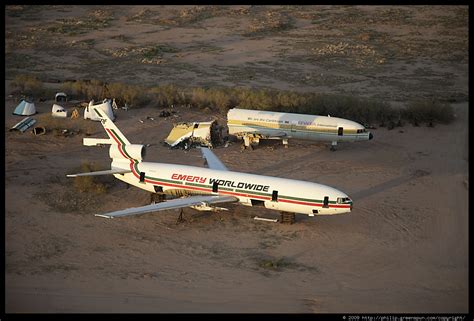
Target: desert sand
x: 403, y: 248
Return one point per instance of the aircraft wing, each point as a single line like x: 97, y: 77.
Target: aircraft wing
x: 172, y: 204
x: 212, y: 161
x: 106, y: 172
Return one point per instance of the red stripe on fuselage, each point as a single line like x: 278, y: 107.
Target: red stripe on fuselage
x: 132, y: 167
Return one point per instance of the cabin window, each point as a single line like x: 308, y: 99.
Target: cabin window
x: 275, y: 196
x: 342, y: 200
x: 142, y: 177
x: 215, y: 187
x: 340, y: 131
x: 287, y: 122
x: 326, y: 202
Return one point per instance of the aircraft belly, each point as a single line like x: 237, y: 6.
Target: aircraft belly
x: 287, y: 207
x: 130, y: 178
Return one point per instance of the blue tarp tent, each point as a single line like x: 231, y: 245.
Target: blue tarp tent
x: 25, y: 108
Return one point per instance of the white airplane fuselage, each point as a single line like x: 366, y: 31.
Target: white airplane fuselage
x: 252, y: 190
x: 242, y: 122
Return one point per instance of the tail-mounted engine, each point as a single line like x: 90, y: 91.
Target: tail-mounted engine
x: 133, y: 151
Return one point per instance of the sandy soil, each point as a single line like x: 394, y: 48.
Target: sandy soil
x: 404, y: 248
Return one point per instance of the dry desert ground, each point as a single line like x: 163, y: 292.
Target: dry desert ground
x: 403, y: 248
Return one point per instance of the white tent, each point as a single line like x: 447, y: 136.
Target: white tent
x: 105, y: 106
x: 25, y: 108
x: 58, y: 111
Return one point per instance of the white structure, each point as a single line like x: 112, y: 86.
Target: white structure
x: 58, y: 111
x: 203, y: 188
x: 199, y: 133
x: 105, y: 106
x: 253, y: 125
x: 60, y: 97
x: 25, y: 108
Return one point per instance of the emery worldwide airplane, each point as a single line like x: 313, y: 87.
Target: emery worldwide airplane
x: 253, y: 125
x: 203, y: 188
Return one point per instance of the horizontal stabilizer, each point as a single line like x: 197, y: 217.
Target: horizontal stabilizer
x: 97, y: 141
x: 204, y: 200
x: 106, y: 172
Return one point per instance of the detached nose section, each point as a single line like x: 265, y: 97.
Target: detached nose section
x: 371, y: 136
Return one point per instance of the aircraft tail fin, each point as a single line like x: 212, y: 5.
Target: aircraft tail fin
x: 115, y: 135
x: 121, y: 150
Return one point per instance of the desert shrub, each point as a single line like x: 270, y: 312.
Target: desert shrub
x: 56, y: 125
x: 199, y: 97
x: 84, y: 89
x: 167, y: 95
x: 89, y: 184
x: 28, y: 85
x: 261, y: 99
x: 429, y: 111
x: 133, y: 95
x: 220, y: 99
x: 362, y: 110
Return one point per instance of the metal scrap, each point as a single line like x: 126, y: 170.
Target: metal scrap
x: 24, y: 124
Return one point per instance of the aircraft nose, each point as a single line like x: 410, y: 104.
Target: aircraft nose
x: 371, y: 136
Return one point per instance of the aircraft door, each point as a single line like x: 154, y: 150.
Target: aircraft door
x: 340, y: 131
x: 326, y: 202
x: 275, y: 196
x: 293, y: 125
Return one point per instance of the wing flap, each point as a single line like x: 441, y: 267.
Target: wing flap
x: 212, y: 160
x: 172, y: 204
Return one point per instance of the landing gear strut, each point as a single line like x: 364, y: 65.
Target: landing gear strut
x: 286, y: 217
x: 180, y: 217
x: 333, y: 146
x: 157, y: 198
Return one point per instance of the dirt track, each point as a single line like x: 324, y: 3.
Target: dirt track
x: 404, y: 248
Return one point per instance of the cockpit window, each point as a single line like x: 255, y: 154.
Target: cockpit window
x: 342, y: 200
x: 361, y: 131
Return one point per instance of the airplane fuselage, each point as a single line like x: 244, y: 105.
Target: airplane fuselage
x: 242, y: 122
x: 252, y: 190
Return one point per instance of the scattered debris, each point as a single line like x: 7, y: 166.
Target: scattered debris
x: 150, y: 118
x: 105, y: 106
x: 58, y: 111
x: 40, y: 130
x: 25, y: 108
x: 75, y: 114
x: 187, y: 135
x: 60, y: 97
x: 24, y: 124
x: 66, y: 132
x: 141, y: 121
x: 114, y: 104
x: 164, y: 113
x: 265, y: 219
